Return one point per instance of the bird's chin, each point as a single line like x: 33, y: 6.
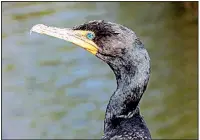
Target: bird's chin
x: 104, y: 57
x: 100, y: 56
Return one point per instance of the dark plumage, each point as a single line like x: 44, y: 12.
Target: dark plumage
x: 123, y: 51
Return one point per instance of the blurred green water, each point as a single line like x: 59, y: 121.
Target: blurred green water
x: 53, y: 89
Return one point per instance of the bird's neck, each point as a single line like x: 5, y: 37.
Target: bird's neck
x: 132, y: 80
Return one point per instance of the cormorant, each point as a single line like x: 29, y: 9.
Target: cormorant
x: 123, y: 51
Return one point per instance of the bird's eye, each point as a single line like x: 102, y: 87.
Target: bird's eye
x: 90, y: 36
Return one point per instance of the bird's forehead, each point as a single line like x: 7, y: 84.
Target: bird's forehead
x: 97, y: 26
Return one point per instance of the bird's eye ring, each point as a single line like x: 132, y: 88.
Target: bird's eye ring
x: 90, y: 36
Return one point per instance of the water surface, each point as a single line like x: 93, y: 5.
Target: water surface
x: 53, y: 89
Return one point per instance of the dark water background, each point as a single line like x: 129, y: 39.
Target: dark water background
x: 53, y: 89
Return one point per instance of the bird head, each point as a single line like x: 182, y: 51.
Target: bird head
x: 111, y: 42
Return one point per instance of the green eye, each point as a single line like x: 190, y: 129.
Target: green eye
x: 90, y: 36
